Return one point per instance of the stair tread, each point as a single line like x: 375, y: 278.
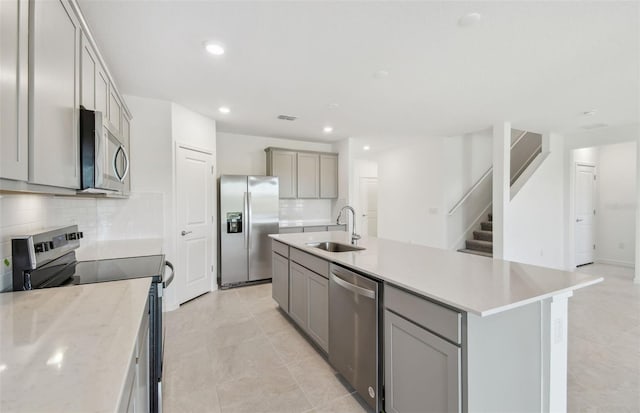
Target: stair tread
x: 483, y: 231
x: 476, y: 252
x: 483, y: 235
x: 480, y: 242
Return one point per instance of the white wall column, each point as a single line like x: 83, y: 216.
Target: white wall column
x: 501, y: 184
x: 637, y: 269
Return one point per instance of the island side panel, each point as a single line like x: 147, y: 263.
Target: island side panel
x: 505, y: 359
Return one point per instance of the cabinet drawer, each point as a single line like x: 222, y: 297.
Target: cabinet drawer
x: 315, y: 264
x: 280, y: 248
x: 317, y: 228
x: 429, y: 315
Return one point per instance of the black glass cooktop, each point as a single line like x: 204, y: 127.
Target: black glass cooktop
x: 66, y: 271
x: 87, y: 272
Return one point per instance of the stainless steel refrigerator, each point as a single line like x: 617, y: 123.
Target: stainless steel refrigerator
x: 249, y: 208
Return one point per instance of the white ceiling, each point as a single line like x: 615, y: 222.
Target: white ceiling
x: 538, y: 64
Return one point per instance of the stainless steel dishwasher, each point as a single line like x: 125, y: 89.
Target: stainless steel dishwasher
x: 354, y: 325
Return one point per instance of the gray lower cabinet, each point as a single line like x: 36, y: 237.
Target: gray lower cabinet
x: 298, y: 294
x: 318, y: 309
x: 309, y: 303
x: 280, y: 280
x: 422, y: 370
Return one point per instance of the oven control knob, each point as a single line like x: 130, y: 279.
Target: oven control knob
x: 41, y: 247
x: 80, y: 235
x: 71, y: 236
x: 51, y: 246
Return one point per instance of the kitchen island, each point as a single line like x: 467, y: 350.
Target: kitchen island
x: 476, y: 334
x: 75, y: 349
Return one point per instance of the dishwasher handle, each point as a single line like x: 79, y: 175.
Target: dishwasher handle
x: 353, y: 288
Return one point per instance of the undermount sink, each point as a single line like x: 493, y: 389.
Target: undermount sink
x: 334, y: 246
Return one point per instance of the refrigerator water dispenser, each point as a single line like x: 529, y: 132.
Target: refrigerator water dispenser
x: 234, y: 222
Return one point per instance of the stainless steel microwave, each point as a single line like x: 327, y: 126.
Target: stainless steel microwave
x: 104, y: 161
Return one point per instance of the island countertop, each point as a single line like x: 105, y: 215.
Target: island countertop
x: 470, y: 283
x: 68, y: 349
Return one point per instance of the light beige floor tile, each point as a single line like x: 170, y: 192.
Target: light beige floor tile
x: 291, y: 345
x: 239, y: 340
x: 272, y: 322
x: 249, y: 359
x: 254, y: 292
x: 231, y: 334
x: 344, y: 404
x: 274, y: 391
x: 318, y: 380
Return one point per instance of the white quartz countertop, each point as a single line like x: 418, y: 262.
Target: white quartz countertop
x: 105, y: 250
x: 471, y: 283
x: 68, y: 349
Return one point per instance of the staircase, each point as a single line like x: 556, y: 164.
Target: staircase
x: 482, y: 242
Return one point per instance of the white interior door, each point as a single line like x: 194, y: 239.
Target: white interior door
x: 369, y: 206
x: 195, y: 209
x: 585, y: 214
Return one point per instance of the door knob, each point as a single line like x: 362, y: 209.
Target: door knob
x: 183, y: 233
x: 364, y: 215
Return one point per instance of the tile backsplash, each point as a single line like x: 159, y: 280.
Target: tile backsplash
x: 139, y: 216
x: 305, y: 210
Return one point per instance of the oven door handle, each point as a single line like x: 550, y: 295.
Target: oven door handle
x: 166, y: 283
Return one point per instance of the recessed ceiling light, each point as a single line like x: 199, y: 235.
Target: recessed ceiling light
x: 327, y: 129
x: 589, y: 112
x: 366, y: 147
x: 469, y: 19
x: 214, y: 48
x: 333, y: 106
x: 381, y: 74
x: 224, y: 109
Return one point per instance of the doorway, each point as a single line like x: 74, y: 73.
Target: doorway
x: 585, y: 189
x: 369, y: 206
x: 195, y: 226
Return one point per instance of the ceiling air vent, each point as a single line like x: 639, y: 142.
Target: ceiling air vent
x: 287, y: 117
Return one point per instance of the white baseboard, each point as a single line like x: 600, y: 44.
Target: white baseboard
x: 627, y: 264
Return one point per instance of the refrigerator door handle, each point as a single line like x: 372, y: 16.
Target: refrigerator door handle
x: 246, y: 220
x: 249, y: 220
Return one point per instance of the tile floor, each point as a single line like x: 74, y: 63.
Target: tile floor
x: 604, y: 343
x: 233, y: 351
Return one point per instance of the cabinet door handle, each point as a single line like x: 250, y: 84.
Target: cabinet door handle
x: 183, y: 233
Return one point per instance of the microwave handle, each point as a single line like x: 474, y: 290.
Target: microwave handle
x: 126, y: 160
x: 115, y: 163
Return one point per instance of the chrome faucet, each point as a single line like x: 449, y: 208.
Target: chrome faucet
x: 354, y: 236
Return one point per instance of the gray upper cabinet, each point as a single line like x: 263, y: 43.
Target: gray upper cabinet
x: 304, y: 174
x: 54, y: 95
x: 14, y: 71
x: 102, y: 93
x: 328, y: 176
x: 88, y: 71
x: 115, y: 111
x: 283, y: 164
x: 308, y: 175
